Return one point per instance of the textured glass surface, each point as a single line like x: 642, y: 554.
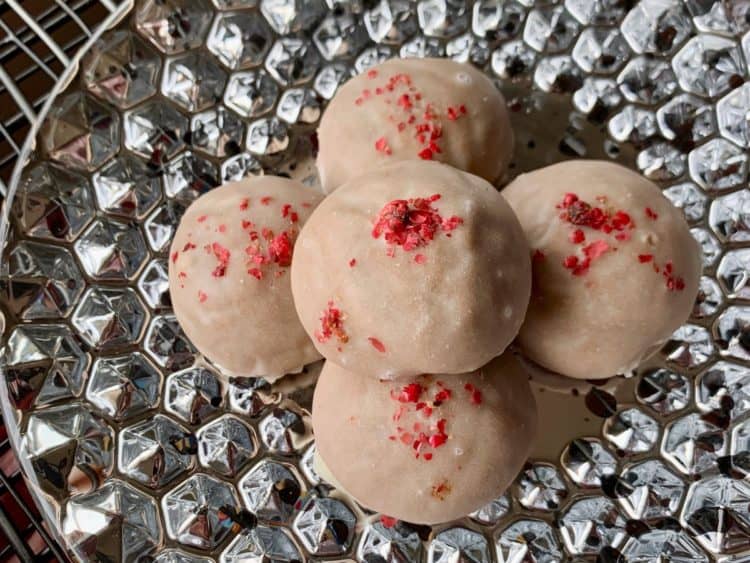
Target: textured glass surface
x: 146, y: 452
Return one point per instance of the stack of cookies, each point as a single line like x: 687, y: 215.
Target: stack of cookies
x: 429, y: 292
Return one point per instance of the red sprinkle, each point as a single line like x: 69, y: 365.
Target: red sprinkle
x: 377, y: 344
x: 256, y: 273
x: 410, y: 393
x: 596, y: 249
x: 582, y: 268
x: 202, y: 218
x: 425, y: 154
x: 331, y: 324
x: 420, y: 258
x: 244, y: 204
x: 441, y: 490
x: 621, y: 220
x: 280, y: 250
x: 475, y: 395
x: 456, y: 112
x: 222, y: 228
x: 175, y: 255
x: 437, y: 440
x: 352, y: 262
x: 674, y: 283
x: 568, y: 200
x: 404, y: 101
x: 372, y: 73
x: 202, y: 296
x: 266, y: 200
x: 538, y: 256
x: 442, y: 396
x: 188, y: 246
x: 247, y: 224
x: 651, y: 214
x: 577, y: 236
x: 381, y: 145
x: 644, y: 258
x: 412, y: 223
x: 578, y: 212
x: 570, y: 261
x: 222, y: 254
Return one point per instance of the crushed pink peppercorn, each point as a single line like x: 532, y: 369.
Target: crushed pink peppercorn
x: 280, y: 250
x: 221, y: 254
x: 577, y: 236
x: 426, y: 434
x: 377, y: 344
x: 381, y: 145
x: 387, y: 521
x: 475, y: 395
x: 616, y: 223
x: 412, y: 223
x: 410, y: 393
x: 398, y: 91
x: 331, y: 325
x: 441, y: 490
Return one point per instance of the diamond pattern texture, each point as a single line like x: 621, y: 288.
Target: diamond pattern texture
x: 186, y: 94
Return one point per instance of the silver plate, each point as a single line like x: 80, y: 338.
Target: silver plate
x: 134, y: 447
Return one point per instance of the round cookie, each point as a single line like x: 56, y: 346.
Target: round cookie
x: 229, y: 276
x: 414, y: 268
x: 444, y: 445
x: 406, y: 109
x: 616, y: 270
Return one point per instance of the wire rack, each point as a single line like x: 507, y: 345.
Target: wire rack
x: 38, y: 40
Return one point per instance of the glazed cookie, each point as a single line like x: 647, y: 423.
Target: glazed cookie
x: 405, y: 109
x: 616, y: 269
x: 414, y: 268
x: 429, y: 449
x: 229, y: 276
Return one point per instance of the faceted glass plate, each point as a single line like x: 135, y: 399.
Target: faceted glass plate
x: 138, y: 449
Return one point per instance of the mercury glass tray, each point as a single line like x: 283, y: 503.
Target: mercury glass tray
x: 137, y: 449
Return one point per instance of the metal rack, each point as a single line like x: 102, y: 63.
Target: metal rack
x: 38, y: 39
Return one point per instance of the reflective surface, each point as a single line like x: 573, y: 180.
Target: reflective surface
x: 142, y: 450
